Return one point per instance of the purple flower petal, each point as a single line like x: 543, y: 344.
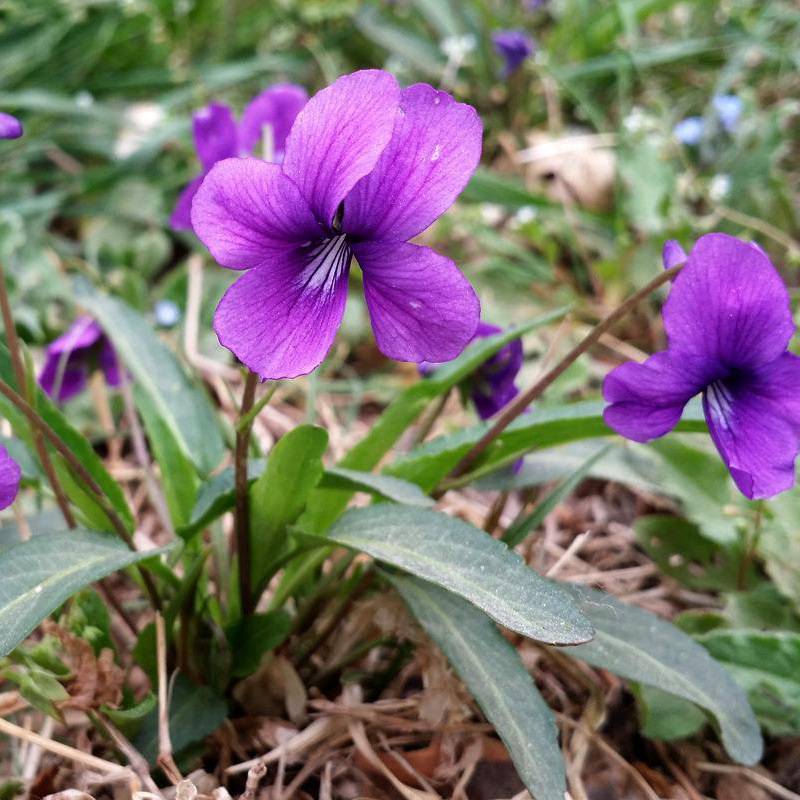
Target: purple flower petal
x: 278, y: 107
x: 63, y: 383
x: 754, y: 420
x: 489, y: 400
x: 84, y: 332
x: 422, y: 308
x: 435, y: 148
x: 215, y: 134
x: 181, y: 219
x: 281, y: 319
x: 10, y: 476
x: 109, y: 363
x: 646, y: 400
x: 339, y: 136
x: 672, y: 254
x: 514, y: 47
x: 10, y: 126
x: 247, y: 211
x: 728, y: 306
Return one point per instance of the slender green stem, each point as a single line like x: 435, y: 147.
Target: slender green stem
x: 523, y: 400
x: 247, y: 420
x: 24, y: 387
x: 427, y: 424
x: 108, y: 509
x: 242, y: 506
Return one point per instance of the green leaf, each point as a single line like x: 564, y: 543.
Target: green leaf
x: 541, y: 428
x: 493, y: 672
x: 468, y: 562
x: 183, y: 407
x: 178, y: 476
x: 279, y: 495
x: 76, y: 442
x: 255, y: 635
x: 395, y: 489
x: 326, y: 505
x: 766, y: 664
x: 641, y: 647
x: 37, y: 576
x: 665, y: 716
x: 129, y: 720
x: 517, y: 532
x: 194, y: 713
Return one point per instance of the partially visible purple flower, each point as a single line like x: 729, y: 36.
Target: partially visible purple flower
x: 217, y: 136
x: 492, y: 386
x: 690, y: 131
x: 534, y: 5
x: 728, y: 108
x: 72, y: 357
x: 514, y: 47
x: 10, y: 476
x: 367, y: 168
x: 728, y: 323
x: 10, y: 127
x: 672, y: 254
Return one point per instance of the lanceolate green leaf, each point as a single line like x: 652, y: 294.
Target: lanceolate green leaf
x: 38, y: 575
x: 497, y: 678
x: 156, y: 371
x: 76, y: 442
x: 543, y: 427
x: 386, y: 486
x: 639, y: 646
x: 326, y: 505
x: 468, y: 562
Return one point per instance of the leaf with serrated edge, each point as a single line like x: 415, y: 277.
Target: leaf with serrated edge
x: 468, y: 562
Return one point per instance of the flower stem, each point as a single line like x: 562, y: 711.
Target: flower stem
x: 108, y: 509
x: 523, y: 400
x: 242, y: 506
x: 22, y: 384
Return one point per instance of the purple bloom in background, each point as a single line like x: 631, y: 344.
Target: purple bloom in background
x: 534, y: 5
x: 10, y: 127
x: 367, y: 167
x: 10, y: 475
x: 728, y: 108
x: 690, y: 131
x: 728, y: 324
x: 72, y: 357
x: 492, y: 386
x: 514, y: 47
x: 217, y: 136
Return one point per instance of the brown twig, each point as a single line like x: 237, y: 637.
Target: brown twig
x: 242, y: 506
x: 22, y: 383
x: 85, y: 476
x: 165, y: 759
x: 751, y: 775
x: 523, y: 400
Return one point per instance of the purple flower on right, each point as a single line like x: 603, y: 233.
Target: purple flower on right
x: 514, y: 47
x: 10, y: 476
x: 728, y: 323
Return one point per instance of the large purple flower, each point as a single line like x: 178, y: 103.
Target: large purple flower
x: 217, y: 136
x: 514, y: 47
x: 728, y: 324
x: 72, y: 357
x: 10, y: 475
x: 367, y: 167
x: 10, y: 127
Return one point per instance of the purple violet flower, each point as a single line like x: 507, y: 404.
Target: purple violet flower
x: 514, y: 47
x: 492, y: 386
x: 690, y: 131
x: 217, y: 136
x: 728, y: 323
x: 10, y: 476
x: 728, y: 108
x: 10, y: 127
x: 367, y: 167
x: 72, y: 357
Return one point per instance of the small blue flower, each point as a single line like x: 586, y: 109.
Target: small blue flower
x: 690, y: 131
x: 167, y: 313
x: 729, y: 109
x: 514, y: 47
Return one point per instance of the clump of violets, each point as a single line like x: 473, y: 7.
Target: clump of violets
x: 10, y: 476
x: 10, y: 126
x: 217, y: 136
x: 727, y: 109
x: 728, y: 323
x: 72, y: 357
x: 367, y: 167
x: 513, y: 47
x: 493, y: 385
